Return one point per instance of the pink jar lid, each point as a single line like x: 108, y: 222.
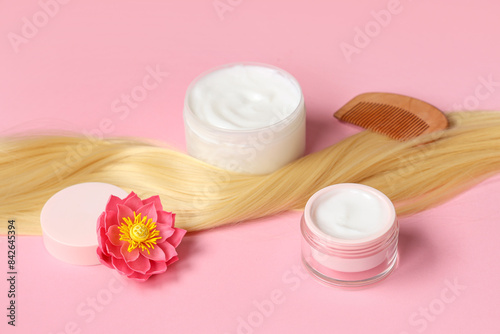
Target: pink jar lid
x: 69, y: 220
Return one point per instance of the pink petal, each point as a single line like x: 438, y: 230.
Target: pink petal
x: 113, y: 250
x: 110, y: 219
x: 176, y: 238
x: 165, y: 232
x: 121, y: 266
x: 172, y: 260
x: 129, y: 256
x: 141, y: 265
x: 132, y: 194
x: 101, y: 221
x: 103, y: 258
x: 103, y: 249
x: 113, y: 201
x: 101, y: 236
x: 113, y: 235
x: 168, y: 249
x: 154, y: 199
x: 157, y: 268
x: 133, y: 202
x: 167, y: 218
x: 124, y: 212
x: 148, y: 210
x: 139, y: 277
x: 155, y: 254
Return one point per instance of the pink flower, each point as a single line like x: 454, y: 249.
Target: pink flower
x: 136, y: 237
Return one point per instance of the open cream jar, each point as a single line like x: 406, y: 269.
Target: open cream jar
x: 245, y: 117
x: 350, y: 235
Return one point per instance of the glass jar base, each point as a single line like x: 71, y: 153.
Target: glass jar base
x: 342, y: 281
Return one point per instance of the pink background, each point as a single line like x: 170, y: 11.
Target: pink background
x: 70, y: 73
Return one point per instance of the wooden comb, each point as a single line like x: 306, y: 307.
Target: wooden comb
x: 396, y: 116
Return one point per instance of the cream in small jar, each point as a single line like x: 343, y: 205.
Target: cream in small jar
x: 247, y: 118
x: 350, y: 235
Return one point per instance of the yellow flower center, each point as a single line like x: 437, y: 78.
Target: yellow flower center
x: 141, y: 232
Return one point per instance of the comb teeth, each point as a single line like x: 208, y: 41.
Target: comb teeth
x: 392, y: 121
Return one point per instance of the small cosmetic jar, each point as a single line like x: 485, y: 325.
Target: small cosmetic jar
x: 349, y: 235
x: 69, y: 221
x: 245, y: 117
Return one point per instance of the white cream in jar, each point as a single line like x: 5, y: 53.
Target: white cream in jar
x: 349, y: 214
x: 248, y: 118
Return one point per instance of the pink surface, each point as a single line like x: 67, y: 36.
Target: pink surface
x: 83, y: 68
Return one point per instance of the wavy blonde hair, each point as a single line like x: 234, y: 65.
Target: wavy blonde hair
x: 415, y: 174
